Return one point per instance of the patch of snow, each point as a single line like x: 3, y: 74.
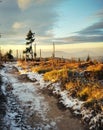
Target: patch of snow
x: 5, y: 83
x: 29, y: 99
x: 39, y: 77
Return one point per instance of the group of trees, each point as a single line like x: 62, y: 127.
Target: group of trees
x: 29, y: 53
x: 8, y: 56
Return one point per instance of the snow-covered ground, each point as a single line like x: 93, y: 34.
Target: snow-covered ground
x: 23, y: 101
x: 30, y: 101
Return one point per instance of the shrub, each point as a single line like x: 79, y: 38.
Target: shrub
x: 42, y: 71
x: 84, y: 93
x: 56, y: 75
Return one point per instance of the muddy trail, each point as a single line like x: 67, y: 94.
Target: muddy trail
x: 3, y: 102
x: 26, y: 106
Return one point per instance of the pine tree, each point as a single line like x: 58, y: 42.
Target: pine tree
x: 29, y: 50
x: 9, y: 56
x: 88, y: 58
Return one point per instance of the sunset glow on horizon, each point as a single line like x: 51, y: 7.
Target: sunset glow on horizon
x: 74, y: 26
x: 63, y: 50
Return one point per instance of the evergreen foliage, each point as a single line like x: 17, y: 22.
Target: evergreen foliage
x: 29, y: 50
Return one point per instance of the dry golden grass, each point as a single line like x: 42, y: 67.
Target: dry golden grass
x: 69, y: 85
x: 96, y: 67
x: 86, y: 92
x: 57, y: 70
x: 56, y: 75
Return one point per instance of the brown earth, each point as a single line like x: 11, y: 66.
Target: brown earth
x: 63, y: 117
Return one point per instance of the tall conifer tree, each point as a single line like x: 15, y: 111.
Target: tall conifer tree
x: 29, y: 50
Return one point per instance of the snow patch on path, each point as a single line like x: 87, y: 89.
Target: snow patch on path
x: 27, y: 101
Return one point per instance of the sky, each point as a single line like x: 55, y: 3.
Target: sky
x: 70, y: 24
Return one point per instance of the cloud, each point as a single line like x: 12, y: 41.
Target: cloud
x: 38, y: 15
x: 24, y: 4
x: 99, y: 14
x: 95, y: 29
x: 78, y: 39
x: 41, y: 17
x: 92, y: 33
x: 18, y: 25
x: 41, y: 1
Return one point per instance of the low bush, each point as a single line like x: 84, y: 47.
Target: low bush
x: 56, y: 75
x: 43, y: 71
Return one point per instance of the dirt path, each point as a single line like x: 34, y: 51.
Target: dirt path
x: 2, y: 106
x: 38, y: 109
x: 63, y: 117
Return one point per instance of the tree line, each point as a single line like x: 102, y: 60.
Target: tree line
x: 28, y: 52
